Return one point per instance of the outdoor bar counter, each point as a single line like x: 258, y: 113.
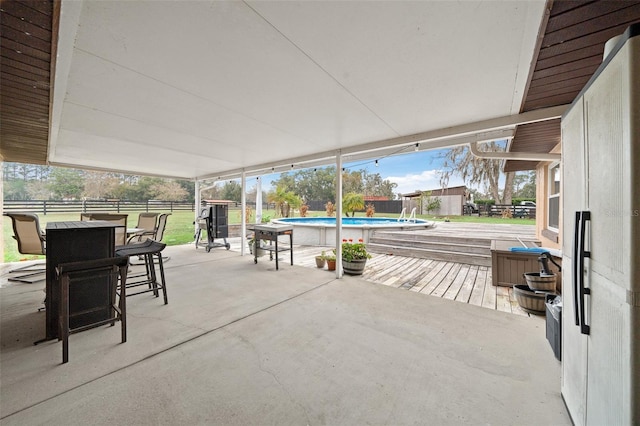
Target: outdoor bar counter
x: 74, y: 242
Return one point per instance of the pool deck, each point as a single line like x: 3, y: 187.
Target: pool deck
x: 448, y: 280
x: 460, y: 282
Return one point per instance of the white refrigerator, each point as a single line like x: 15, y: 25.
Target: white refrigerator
x: 601, y: 243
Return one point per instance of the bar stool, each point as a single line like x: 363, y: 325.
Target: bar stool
x: 71, y: 276
x: 148, y: 250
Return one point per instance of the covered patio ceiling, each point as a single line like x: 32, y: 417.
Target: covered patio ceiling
x: 199, y: 89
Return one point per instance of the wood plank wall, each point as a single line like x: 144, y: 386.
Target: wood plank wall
x: 27, y: 49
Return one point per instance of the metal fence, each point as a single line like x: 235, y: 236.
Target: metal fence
x: 88, y: 206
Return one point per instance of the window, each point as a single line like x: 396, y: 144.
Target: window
x: 553, y: 214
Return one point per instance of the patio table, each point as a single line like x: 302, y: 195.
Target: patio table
x: 271, y: 233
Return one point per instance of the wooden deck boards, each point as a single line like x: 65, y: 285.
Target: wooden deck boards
x: 453, y: 281
x: 437, y: 278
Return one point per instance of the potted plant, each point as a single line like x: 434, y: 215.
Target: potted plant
x: 253, y: 247
x: 321, y: 260
x: 354, y: 257
x: 331, y: 262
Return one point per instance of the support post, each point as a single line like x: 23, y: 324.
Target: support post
x: 243, y: 213
x: 338, y: 214
x: 198, y: 202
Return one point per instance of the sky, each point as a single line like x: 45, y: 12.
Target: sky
x: 415, y: 171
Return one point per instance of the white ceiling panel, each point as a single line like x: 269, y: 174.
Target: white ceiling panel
x: 197, y: 88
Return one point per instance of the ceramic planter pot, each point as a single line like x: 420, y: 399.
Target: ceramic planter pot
x: 331, y: 265
x: 320, y: 261
x: 252, y: 247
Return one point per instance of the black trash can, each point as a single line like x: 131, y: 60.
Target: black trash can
x: 553, y: 306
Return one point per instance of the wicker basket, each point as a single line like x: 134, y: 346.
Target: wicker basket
x: 535, y: 281
x: 529, y: 300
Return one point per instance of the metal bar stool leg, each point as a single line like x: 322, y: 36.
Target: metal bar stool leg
x: 163, y: 283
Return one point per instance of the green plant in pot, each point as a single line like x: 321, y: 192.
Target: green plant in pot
x: 321, y: 260
x: 253, y: 247
x: 354, y: 257
x: 331, y: 262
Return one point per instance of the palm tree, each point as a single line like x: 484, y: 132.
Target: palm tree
x: 284, y: 200
x: 352, y: 202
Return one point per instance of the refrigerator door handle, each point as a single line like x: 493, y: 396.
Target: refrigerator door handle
x: 585, y: 216
x: 575, y: 273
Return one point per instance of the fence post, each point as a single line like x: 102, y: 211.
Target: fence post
x: 44, y: 207
x: 171, y: 206
x: 118, y: 206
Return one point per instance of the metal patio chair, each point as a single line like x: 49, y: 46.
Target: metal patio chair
x: 31, y: 240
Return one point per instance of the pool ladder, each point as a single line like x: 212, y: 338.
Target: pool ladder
x: 403, y: 215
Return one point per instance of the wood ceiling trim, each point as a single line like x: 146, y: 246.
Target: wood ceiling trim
x: 598, y: 23
x: 25, y: 59
x: 589, y: 64
x: 561, y: 86
x: 29, y: 37
x: 562, y: 76
x: 519, y: 166
x: 26, y: 41
x: 583, y: 11
x: 570, y: 52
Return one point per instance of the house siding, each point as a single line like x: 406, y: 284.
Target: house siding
x: 547, y: 237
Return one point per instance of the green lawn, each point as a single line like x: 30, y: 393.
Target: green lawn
x: 180, y: 226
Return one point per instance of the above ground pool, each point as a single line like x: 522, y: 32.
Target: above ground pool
x: 321, y: 231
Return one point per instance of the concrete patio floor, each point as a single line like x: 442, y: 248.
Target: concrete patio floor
x: 242, y: 343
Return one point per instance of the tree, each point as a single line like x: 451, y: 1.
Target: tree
x: 284, y: 200
x: 320, y: 183
x: 232, y: 190
x: 38, y: 190
x: 528, y: 182
x: 429, y: 202
x: 473, y: 170
x: 66, y: 183
x: 16, y: 190
x: 169, y: 191
x: 212, y: 193
x: 99, y: 185
x: 376, y: 186
x: 352, y: 182
x: 190, y: 188
x: 352, y: 202
x: 310, y: 184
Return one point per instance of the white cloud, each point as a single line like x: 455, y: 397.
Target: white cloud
x: 424, y: 181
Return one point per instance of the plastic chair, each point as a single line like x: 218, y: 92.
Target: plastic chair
x: 31, y: 240
x: 71, y: 277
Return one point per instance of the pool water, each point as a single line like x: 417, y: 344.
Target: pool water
x: 321, y: 231
x: 348, y: 221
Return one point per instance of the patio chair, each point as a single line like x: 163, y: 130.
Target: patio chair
x: 148, y: 223
x: 120, y: 219
x: 31, y: 240
x: 71, y: 277
x: 162, y: 224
